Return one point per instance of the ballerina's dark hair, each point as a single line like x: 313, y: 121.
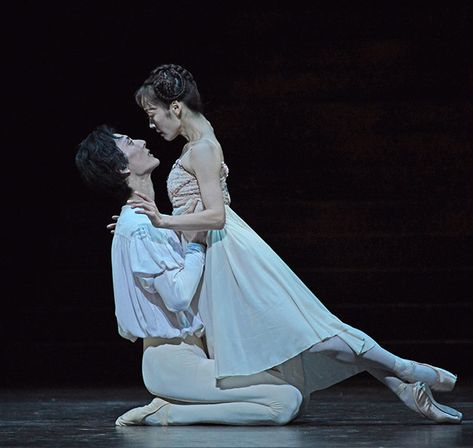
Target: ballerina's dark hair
x: 99, y: 161
x: 168, y: 83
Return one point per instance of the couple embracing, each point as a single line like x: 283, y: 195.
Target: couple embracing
x: 231, y: 335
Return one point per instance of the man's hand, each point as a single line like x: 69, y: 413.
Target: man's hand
x: 146, y: 206
x: 112, y: 225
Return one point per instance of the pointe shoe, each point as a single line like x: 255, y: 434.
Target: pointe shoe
x: 136, y: 416
x: 426, y: 406
x: 444, y: 381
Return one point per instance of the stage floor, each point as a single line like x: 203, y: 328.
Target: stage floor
x: 350, y: 415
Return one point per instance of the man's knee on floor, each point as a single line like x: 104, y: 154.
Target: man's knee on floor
x: 287, y: 402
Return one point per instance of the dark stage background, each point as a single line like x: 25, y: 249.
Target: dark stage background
x: 348, y: 131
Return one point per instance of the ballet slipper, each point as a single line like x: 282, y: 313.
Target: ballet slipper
x: 136, y: 416
x: 444, y: 381
x: 426, y: 405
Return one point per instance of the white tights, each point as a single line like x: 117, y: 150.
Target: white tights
x: 183, y: 373
x: 376, y: 358
x: 378, y: 362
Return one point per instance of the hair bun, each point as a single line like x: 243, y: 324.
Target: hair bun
x: 168, y: 82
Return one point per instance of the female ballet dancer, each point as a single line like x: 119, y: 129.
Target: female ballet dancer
x: 257, y: 313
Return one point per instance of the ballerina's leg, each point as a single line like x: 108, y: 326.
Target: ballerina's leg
x: 416, y: 396
x: 375, y: 358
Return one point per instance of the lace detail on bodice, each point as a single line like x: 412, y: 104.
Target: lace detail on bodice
x: 184, y: 191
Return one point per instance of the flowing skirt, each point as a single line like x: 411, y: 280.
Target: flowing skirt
x: 259, y: 315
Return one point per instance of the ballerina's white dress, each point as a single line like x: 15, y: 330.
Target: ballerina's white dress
x: 258, y: 314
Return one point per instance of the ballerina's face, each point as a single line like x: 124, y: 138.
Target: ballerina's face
x: 163, y: 121
x: 140, y: 159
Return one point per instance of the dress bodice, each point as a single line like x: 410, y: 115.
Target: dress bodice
x: 184, y: 192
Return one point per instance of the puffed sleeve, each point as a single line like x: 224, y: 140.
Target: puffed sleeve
x: 161, y: 266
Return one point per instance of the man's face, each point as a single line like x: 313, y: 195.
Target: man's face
x: 140, y: 159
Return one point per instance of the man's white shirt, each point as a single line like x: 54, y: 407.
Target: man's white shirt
x: 155, y: 280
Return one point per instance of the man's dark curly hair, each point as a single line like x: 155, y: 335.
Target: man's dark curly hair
x: 99, y: 161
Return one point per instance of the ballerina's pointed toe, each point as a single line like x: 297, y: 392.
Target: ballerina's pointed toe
x: 136, y: 416
x: 429, y: 408
x: 444, y: 380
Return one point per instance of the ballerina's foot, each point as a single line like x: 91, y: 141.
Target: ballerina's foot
x: 418, y: 397
x: 437, y: 379
x: 142, y: 415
